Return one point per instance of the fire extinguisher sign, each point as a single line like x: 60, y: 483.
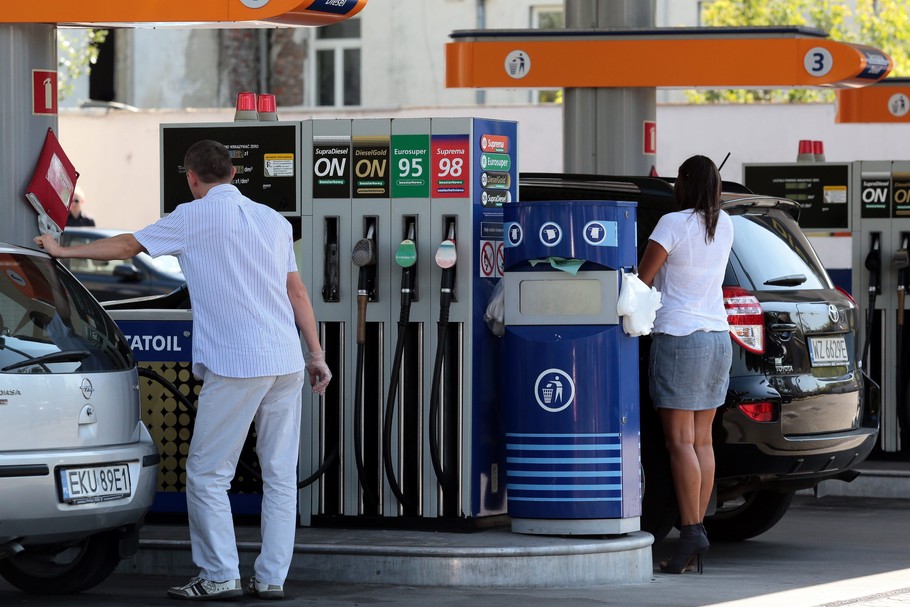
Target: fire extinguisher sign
x: 44, y: 93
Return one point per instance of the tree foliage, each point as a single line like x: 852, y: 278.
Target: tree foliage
x: 75, y: 56
x: 883, y: 24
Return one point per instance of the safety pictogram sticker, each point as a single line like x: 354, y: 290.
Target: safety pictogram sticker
x: 487, y: 259
x: 554, y: 390
x: 500, y: 259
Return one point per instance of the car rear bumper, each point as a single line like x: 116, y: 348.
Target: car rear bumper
x: 797, y: 457
x: 32, y: 510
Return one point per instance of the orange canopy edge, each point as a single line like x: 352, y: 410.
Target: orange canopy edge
x: 171, y: 12
x: 886, y: 101
x: 660, y: 57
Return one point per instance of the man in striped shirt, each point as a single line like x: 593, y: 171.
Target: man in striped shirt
x: 248, y: 303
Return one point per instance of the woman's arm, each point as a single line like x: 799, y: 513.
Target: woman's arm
x: 654, y: 257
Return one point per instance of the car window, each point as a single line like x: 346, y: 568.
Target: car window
x: 167, y: 264
x: 49, y: 323
x: 775, y: 254
x: 91, y: 266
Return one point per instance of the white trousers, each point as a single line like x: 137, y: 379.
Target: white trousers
x: 227, y: 407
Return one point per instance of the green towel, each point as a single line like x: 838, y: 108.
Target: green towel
x: 560, y: 263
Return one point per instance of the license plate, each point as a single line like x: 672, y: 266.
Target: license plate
x: 96, y: 484
x: 828, y: 351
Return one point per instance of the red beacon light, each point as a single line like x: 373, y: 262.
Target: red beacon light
x: 246, y: 107
x: 267, y: 107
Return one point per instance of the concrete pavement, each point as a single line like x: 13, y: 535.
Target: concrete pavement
x: 827, y: 552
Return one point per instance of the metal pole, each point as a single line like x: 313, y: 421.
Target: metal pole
x: 25, y: 47
x: 603, y: 129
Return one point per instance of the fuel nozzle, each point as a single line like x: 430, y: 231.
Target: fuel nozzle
x: 446, y: 256
x: 406, y: 258
x: 901, y: 260
x: 364, y: 257
x: 874, y: 264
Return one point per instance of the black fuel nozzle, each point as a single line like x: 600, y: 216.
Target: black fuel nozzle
x: 901, y: 260
x: 874, y: 264
x: 446, y: 256
x: 406, y: 258
x: 364, y: 257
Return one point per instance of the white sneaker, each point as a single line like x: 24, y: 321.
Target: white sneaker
x: 264, y: 591
x: 198, y: 589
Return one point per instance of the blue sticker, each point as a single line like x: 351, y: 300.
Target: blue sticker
x: 514, y: 234
x: 601, y: 233
x: 339, y: 7
x: 550, y: 234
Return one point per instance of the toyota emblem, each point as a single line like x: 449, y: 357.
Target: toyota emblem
x: 833, y: 313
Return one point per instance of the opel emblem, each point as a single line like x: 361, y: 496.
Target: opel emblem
x: 87, y: 389
x: 833, y: 313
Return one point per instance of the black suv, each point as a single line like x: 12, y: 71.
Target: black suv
x: 796, y: 412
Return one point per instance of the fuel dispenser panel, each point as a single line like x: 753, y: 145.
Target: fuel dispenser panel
x: 571, y: 409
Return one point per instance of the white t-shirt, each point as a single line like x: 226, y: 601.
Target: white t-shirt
x: 691, y: 280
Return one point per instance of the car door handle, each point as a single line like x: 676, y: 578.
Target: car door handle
x: 783, y: 327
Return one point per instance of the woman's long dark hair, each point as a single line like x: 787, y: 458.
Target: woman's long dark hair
x: 698, y: 187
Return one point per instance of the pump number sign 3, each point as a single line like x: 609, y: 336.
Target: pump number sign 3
x: 96, y: 484
x: 828, y: 351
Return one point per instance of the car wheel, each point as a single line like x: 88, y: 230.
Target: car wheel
x: 54, y: 570
x: 659, y: 511
x: 748, y: 516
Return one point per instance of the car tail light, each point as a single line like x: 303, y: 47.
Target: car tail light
x: 747, y: 323
x: 847, y: 295
x: 764, y: 411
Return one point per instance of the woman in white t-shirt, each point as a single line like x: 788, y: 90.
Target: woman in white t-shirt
x: 689, y: 368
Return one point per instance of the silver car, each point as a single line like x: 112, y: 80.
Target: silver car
x: 78, y: 468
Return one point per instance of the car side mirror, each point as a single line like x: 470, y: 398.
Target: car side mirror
x: 127, y: 273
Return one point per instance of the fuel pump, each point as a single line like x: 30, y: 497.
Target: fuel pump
x: 446, y: 257
x: 364, y: 257
x: 406, y: 258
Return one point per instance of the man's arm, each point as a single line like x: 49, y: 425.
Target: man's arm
x: 121, y: 246
x: 305, y: 318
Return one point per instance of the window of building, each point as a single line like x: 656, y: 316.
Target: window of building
x: 547, y: 17
x: 336, y: 66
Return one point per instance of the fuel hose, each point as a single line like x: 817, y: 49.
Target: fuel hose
x: 406, y: 258
x: 190, y: 408
x: 446, y: 257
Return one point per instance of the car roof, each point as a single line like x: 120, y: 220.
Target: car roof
x: 6, y: 247
x: 103, y: 232
x: 734, y: 195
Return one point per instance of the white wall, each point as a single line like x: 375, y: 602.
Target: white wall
x: 117, y: 153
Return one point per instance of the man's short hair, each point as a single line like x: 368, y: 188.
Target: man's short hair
x: 210, y: 160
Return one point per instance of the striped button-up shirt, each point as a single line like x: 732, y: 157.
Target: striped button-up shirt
x: 235, y: 255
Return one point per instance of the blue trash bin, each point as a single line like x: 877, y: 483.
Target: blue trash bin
x: 571, y: 396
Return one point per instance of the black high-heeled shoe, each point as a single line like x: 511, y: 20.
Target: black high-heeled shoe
x: 693, y: 543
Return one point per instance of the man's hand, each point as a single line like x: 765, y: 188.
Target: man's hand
x: 47, y: 242
x: 319, y: 373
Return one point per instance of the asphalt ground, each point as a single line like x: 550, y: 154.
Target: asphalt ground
x: 827, y: 552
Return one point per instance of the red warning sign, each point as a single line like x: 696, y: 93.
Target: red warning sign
x: 649, y: 142
x: 500, y: 259
x: 487, y: 259
x: 44, y: 92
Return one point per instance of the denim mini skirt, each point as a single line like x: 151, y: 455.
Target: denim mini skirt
x: 690, y: 372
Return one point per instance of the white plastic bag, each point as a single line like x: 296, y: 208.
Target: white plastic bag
x: 637, y: 304
x: 494, y: 316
